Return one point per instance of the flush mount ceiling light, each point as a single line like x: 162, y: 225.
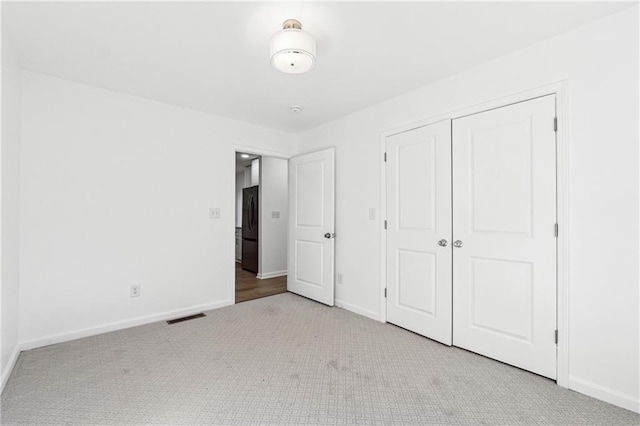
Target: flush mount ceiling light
x: 244, y: 155
x: 293, y: 51
x: 295, y: 109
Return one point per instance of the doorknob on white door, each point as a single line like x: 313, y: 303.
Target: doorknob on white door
x: 329, y: 235
x: 442, y: 243
x: 457, y: 243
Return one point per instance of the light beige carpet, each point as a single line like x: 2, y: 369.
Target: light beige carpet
x: 282, y: 360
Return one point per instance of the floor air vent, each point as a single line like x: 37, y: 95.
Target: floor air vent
x: 190, y: 317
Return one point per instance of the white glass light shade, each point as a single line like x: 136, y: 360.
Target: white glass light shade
x: 293, y: 51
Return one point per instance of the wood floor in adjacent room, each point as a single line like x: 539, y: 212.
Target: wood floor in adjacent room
x: 248, y: 287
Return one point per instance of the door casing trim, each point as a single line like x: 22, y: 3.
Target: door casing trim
x: 561, y: 90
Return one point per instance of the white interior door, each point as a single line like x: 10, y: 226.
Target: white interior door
x: 504, y: 216
x: 311, y: 225
x: 419, y: 230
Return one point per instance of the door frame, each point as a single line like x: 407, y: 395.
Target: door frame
x: 560, y: 90
x: 232, y: 158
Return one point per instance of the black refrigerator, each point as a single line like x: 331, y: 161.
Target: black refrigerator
x: 250, y: 220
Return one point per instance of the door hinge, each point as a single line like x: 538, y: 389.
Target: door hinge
x: 385, y: 157
x: 555, y: 230
x: 556, y: 336
x: 555, y: 124
x: 385, y: 224
x: 385, y: 293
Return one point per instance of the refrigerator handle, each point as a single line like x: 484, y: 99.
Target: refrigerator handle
x: 251, y: 208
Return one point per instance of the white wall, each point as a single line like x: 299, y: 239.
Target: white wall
x: 273, y: 231
x: 116, y: 190
x: 9, y: 291
x: 600, y: 62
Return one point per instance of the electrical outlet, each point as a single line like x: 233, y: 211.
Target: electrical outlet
x: 372, y: 213
x: 340, y: 278
x: 134, y: 290
x: 214, y: 213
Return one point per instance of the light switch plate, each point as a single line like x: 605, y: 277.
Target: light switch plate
x: 372, y: 213
x: 275, y: 215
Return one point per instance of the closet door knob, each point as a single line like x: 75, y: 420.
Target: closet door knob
x: 442, y: 243
x: 457, y: 243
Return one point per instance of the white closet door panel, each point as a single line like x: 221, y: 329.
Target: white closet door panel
x: 504, y: 213
x: 418, y: 216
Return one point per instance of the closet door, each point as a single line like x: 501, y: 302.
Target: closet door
x: 419, y: 230
x: 504, y: 216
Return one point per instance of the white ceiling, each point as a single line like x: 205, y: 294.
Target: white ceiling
x: 214, y: 56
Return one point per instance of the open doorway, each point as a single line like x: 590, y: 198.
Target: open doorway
x: 260, y: 226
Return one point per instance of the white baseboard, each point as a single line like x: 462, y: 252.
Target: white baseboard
x: 356, y: 309
x: 605, y: 394
x: 119, y: 325
x: 266, y: 275
x: 9, y: 368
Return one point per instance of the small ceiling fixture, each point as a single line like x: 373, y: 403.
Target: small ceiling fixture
x: 293, y: 51
x: 244, y: 155
x: 295, y: 109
